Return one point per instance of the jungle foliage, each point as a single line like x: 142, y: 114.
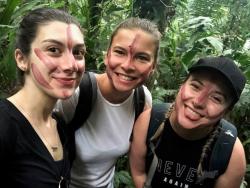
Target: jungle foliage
x: 190, y: 29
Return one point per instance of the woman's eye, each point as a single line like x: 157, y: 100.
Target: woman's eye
x: 217, y: 99
x: 119, y: 52
x: 54, y: 50
x: 195, y: 86
x: 79, y: 53
x: 142, y: 58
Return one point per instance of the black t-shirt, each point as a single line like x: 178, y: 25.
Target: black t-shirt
x: 178, y: 160
x: 24, y: 159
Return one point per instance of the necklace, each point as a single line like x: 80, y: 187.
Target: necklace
x: 53, y: 148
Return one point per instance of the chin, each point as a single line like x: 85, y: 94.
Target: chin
x: 65, y: 94
x: 124, y: 89
x: 65, y: 97
x: 186, y: 123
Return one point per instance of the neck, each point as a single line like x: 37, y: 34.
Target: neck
x: 37, y: 107
x: 109, y: 92
x: 34, y: 103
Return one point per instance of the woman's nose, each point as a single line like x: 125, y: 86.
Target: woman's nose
x: 200, y: 100
x: 128, y: 63
x: 69, y: 63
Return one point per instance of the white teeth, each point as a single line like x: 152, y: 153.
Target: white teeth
x: 125, y: 77
x: 193, y: 112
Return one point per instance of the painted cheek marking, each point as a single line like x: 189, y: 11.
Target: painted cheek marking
x: 39, y: 77
x: 48, y: 62
x: 69, y: 38
x: 70, y: 49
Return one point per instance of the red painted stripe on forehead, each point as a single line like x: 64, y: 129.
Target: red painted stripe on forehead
x: 69, y: 38
x: 133, y: 44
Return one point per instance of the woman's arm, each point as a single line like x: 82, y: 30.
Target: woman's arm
x: 138, y: 149
x: 148, y: 98
x: 236, y: 168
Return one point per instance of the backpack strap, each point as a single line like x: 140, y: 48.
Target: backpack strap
x: 139, y: 101
x: 220, y: 155
x: 157, y: 117
x: 152, y: 167
x: 223, y: 147
x: 221, y: 152
x: 87, y: 98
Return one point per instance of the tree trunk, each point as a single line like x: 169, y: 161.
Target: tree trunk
x: 159, y: 11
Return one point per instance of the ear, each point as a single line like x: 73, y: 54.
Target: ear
x: 21, y: 60
x: 107, y: 57
x: 152, y: 71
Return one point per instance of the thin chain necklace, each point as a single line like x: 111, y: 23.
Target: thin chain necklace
x: 53, y: 148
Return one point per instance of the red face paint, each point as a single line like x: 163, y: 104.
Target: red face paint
x: 111, y: 60
x: 56, y: 62
x: 132, y: 48
x: 202, y: 96
x: 199, y: 97
x: 48, y: 62
x: 52, y: 64
x: 39, y: 77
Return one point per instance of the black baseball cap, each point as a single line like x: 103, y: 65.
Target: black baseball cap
x: 225, y: 67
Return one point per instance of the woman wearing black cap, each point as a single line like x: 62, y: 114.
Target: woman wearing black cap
x: 188, y: 135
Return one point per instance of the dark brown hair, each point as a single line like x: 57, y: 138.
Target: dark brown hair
x: 27, y: 31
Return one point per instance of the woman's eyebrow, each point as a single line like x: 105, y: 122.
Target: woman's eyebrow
x: 62, y: 44
x: 53, y: 41
x: 196, y: 80
x: 119, y: 47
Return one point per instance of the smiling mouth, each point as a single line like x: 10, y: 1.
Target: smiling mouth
x: 193, y: 112
x: 66, y: 81
x: 125, y: 77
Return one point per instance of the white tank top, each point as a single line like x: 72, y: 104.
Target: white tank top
x: 102, y: 139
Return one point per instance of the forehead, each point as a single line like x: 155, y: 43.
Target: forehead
x: 60, y: 31
x: 140, y: 39
x: 213, y: 78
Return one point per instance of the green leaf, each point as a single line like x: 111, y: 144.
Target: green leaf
x: 216, y: 43
x: 246, y: 142
x: 5, y: 16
